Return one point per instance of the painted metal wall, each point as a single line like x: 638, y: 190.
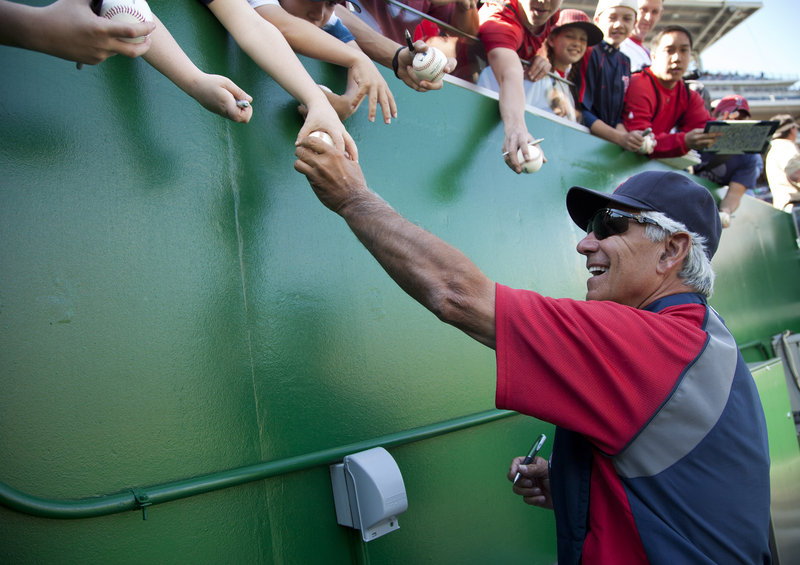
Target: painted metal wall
x: 174, y: 302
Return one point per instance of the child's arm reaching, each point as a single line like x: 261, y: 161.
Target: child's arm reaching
x: 267, y: 47
x: 215, y: 93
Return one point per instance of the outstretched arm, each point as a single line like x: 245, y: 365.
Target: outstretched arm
x: 70, y: 30
x: 382, y: 50
x: 216, y: 93
x: 310, y: 40
x: 434, y: 273
x: 507, y: 70
x: 267, y: 47
x: 628, y: 140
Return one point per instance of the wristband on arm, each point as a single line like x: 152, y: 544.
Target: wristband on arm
x: 395, y: 60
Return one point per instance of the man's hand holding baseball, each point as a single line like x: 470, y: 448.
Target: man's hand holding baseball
x: 335, y: 178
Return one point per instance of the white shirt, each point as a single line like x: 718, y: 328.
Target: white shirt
x: 637, y: 53
x: 778, y: 156
x: 537, y: 94
x: 256, y: 3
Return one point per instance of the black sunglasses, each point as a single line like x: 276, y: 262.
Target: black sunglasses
x: 607, y: 222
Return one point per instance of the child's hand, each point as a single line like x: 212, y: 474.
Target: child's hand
x: 365, y: 79
x: 220, y: 95
x: 322, y: 117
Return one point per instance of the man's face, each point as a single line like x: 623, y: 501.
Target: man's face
x: 318, y: 13
x: 622, y: 267
x: 616, y: 23
x: 539, y: 11
x: 671, y: 57
x: 649, y: 14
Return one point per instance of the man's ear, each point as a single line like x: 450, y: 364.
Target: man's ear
x: 676, y: 249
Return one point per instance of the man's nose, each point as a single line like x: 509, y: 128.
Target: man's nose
x: 588, y: 244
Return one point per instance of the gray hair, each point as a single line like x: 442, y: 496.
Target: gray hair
x: 697, y: 271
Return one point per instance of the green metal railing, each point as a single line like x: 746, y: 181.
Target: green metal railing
x: 142, y: 498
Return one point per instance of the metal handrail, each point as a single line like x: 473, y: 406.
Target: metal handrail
x: 142, y: 498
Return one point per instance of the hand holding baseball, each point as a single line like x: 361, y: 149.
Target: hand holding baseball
x: 127, y: 12
x: 405, y: 69
x: 322, y: 116
x: 534, y: 160
x: 429, y: 64
x: 336, y: 180
x: 68, y: 29
x: 519, y: 143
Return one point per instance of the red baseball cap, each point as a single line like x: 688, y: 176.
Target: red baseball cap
x: 576, y: 18
x: 731, y: 104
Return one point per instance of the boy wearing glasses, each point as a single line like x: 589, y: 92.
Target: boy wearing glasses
x: 660, y: 453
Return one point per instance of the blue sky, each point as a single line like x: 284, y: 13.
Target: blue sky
x: 766, y: 41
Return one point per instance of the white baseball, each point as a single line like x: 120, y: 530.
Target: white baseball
x: 649, y: 144
x: 323, y: 136
x: 429, y: 65
x: 725, y: 219
x: 535, y: 162
x: 127, y: 12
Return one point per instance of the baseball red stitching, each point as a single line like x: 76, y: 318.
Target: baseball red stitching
x: 115, y: 10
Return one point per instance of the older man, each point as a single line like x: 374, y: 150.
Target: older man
x: 659, y: 99
x: 511, y: 31
x: 649, y: 15
x: 661, y: 453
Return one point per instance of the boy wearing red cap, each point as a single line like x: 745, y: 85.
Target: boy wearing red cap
x: 566, y: 46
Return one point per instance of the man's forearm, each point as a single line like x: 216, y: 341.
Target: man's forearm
x: 431, y: 271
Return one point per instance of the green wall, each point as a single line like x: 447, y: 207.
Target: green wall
x: 175, y: 302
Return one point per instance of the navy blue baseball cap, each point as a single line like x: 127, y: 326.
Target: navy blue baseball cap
x: 674, y: 195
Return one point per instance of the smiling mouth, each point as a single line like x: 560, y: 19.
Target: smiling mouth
x: 597, y: 271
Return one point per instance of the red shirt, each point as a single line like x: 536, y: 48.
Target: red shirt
x: 648, y: 104
x: 394, y: 21
x: 501, y: 26
x: 603, y: 370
